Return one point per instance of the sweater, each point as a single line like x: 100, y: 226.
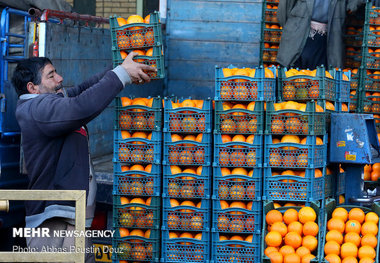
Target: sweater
x: 55, y: 145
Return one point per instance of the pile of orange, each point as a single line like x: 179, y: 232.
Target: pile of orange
x: 372, y: 172
x: 185, y: 185
x: 238, y: 120
x: 136, y: 117
x: 292, y: 236
x: 236, y: 189
x: 241, y: 87
x: 351, y: 236
x: 291, y: 156
x: 134, y: 36
x: 137, y: 183
x: 187, y: 120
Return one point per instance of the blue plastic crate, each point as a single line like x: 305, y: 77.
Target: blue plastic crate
x: 239, y: 121
x: 187, y: 153
x: 235, y: 251
x: 135, y: 182
x: 292, y: 187
x: 306, y: 87
x: 137, y: 35
x: 238, y: 154
x: 296, y: 122
x: 243, y: 88
x: 235, y: 221
x: 187, y: 119
x: 341, y: 184
x: 180, y: 249
x: 342, y: 86
x: 237, y: 187
x: 133, y: 247
x: 319, y: 212
x: 186, y: 218
x: 295, y: 155
x: 137, y: 150
x: 138, y: 117
x: 187, y: 185
x: 135, y: 215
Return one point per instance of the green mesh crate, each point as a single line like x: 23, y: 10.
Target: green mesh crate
x: 269, y: 206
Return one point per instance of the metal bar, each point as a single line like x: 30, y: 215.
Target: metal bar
x: 15, y: 35
x: 79, y: 196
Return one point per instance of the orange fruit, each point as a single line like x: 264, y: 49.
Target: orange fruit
x: 310, y: 242
x: 353, y: 238
x: 341, y: 213
x: 369, y: 240
x: 356, y: 214
x: 310, y: 228
x: 306, y: 214
x: 276, y: 257
x: 367, y: 252
x: 369, y: 228
x: 348, y: 250
x: 123, y: 232
x: 350, y: 260
x: 302, y: 251
x: 268, y: 250
x: 353, y: 226
x: 295, y: 227
x: 372, y: 217
x: 290, y: 215
x: 334, y: 235
x: 307, y: 258
x: 279, y: 227
x: 293, y: 239
x: 273, y: 216
x: 332, y: 247
x: 292, y: 258
x: 366, y: 260
x: 273, y: 239
x: 286, y: 250
x: 336, y: 224
x: 333, y: 258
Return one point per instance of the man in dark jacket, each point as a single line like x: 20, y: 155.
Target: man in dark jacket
x: 55, y: 142
x: 312, y: 32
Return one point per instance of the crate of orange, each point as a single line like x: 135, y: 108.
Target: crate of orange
x: 245, y: 84
x: 136, y: 212
x: 237, y: 184
x: 292, y: 233
x: 137, y: 148
x: 136, y: 32
x: 292, y: 152
x: 272, y: 33
x: 303, y: 85
x: 235, y: 248
x: 240, y: 118
x: 236, y: 217
x: 187, y: 152
x: 187, y: 183
x: 343, y: 84
x: 304, y: 185
x: 136, y: 245
x: 291, y: 117
x: 187, y: 116
x: 185, y: 246
x: 350, y: 233
x: 239, y: 152
x: 137, y: 180
x: 186, y: 215
x: 138, y: 114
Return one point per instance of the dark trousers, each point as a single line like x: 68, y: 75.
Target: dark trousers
x: 314, y: 53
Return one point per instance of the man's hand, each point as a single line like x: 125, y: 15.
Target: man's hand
x: 136, y: 70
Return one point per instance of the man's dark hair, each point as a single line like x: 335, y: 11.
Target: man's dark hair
x: 28, y: 70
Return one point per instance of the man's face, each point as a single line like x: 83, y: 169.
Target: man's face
x: 50, y: 80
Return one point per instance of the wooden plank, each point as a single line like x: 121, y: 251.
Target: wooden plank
x: 216, y: 11
x: 214, y: 31
x: 219, y: 52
